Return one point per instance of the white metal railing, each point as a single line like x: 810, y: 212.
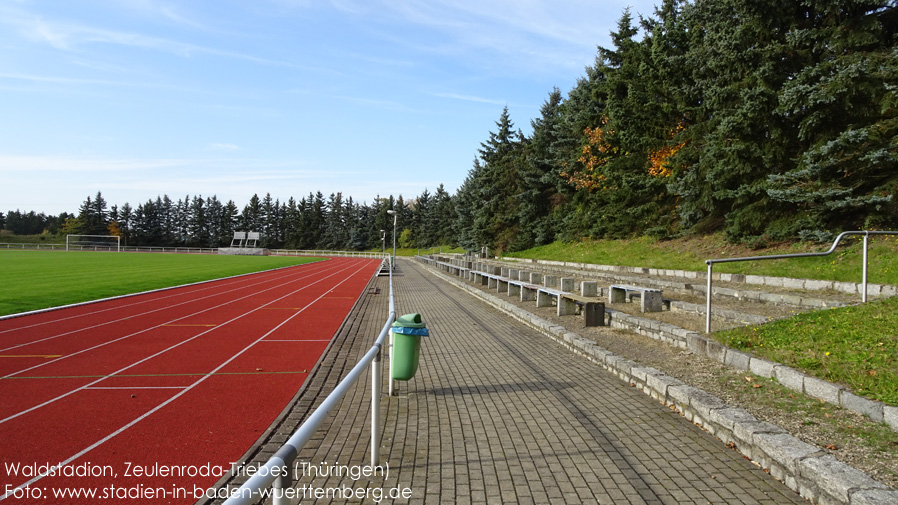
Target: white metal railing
x: 188, y: 250
x: 109, y: 248
x: 277, y: 472
x: 347, y: 254
x: 866, y: 235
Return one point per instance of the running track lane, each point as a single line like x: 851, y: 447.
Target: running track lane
x: 169, y: 383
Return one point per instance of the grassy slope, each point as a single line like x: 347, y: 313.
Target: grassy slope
x: 39, y: 279
x: 855, y: 346
x: 842, y: 265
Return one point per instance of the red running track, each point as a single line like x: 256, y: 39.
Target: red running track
x: 154, y: 396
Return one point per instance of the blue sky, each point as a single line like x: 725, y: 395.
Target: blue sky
x: 139, y: 98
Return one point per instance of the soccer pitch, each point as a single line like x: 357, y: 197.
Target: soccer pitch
x: 31, y: 280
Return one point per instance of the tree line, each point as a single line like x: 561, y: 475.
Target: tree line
x: 764, y: 119
x: 313, y: 222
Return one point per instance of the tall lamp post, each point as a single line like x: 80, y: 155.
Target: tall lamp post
x: 392, y: 264
x: 395, y: 215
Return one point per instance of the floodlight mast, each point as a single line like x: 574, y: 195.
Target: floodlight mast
x: 395, y: 216
x: 392, y: 265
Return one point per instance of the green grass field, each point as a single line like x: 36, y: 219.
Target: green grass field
x: 855, y: 346
x: 39, y: 279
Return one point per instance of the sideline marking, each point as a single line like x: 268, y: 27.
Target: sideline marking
x: 204, y: 325
x: 137, y: 387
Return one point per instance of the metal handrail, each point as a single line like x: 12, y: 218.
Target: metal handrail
x: 866, y: 235
x: 188, y: 250
x: 277, y: 472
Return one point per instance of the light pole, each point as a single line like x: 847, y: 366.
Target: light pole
x: 392, y: 264
x: 395, y: 216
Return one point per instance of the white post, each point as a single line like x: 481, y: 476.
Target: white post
x: 708, y: 302
x: 284, y: 481
x: 390, y: 378
x: 395, y: 215
x: 864, y: 283
x: 375, y: 409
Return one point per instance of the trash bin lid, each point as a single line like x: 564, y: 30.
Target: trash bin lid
x: 409, y: 321
x: 403, y: 330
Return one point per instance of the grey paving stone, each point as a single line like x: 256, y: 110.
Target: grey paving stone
x: 737, y: 359
x: 790, y: 377
x: 822, y: 389
x: 836, y: 479
x: 762, y: 367
x: 875, y: 497
x: 890, y: 416
x: 499, y: 412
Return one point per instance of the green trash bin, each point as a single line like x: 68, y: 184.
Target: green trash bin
x: 407, y: 333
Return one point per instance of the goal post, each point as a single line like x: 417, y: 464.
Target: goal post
x: 93, y: 243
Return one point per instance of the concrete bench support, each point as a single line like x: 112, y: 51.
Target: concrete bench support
x: 567, y: 284
x: 543, y: 299
x: 589, y: 288
x: 566, y: 306
x: 528, y: 293
x: 650, y: 299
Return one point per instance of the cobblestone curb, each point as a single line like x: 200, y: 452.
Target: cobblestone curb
x: 808, y: 470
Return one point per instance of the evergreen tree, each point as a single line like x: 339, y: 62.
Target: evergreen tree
x: 442, y: 217
x: 498, y: 180
x: 93, y: 217
x: 539, y: 196
x: 229, y: 220
x: 421, y: 230
x: 844, y: 106
x: 251, y: 218
x: 197, y: 223
x: 739, y: 60
x: 292, y: 239
x: 124, y: 221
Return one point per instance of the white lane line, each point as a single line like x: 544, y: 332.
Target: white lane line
x: 52, y: 400
x: 273, y: 340
x: 129, y: 388
x: 264, y: 281
x: 145, y: 329
x: 234, y: 280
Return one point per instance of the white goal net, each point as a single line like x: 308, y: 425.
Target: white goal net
x: 93, y: 243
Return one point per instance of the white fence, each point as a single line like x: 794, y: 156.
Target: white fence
x: 188, y: 250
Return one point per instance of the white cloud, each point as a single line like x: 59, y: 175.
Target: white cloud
x: 469, y: 98
x: 76, y: 37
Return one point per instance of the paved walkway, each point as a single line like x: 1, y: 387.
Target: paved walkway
x: 499, y: 413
